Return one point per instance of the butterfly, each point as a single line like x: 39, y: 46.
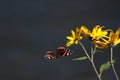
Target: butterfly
x: 60, y: 52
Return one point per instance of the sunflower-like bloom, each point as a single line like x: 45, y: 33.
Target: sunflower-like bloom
x: 74, y: 38
x: 85, y: 31
x: 96, y: 33
x: 113, y: 40
x: 115, y: 37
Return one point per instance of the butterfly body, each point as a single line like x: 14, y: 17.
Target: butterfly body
x: 60, y: 52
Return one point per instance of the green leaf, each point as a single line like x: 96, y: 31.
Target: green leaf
x: 80, y: 58
x: 104, y: 67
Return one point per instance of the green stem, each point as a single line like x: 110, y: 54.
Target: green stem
x: 111, y: 50
x: 85, y: 51
x: 94, y: 67
x: 91, y: 59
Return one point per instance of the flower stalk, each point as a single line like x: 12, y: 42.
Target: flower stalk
x: 91, y: 59
x: 100, y: 39
x: 115, y: 73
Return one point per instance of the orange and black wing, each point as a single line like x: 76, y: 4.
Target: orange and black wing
x: 50, y: 55
x: 62, y: 52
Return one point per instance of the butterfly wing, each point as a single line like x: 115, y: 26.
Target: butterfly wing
x: 62, y: 52
x: 50, y: 55
x: 69, y: 52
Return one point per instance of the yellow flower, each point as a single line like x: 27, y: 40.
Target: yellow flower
x: 74, y: 38
x: 96, y: 32
x: 114, y: 37
x: 100, y: 44
x: 85, y: 31
x: 112, y: 41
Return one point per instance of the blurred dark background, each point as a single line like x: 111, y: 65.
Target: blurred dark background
x: 28, y: 28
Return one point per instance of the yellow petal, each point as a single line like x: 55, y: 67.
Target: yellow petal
x: 73, y: 33
x: 116, y: 42
x: 69, y: 43
x: 118, y: 31
x: 111, y: 34
x: 80, y: 37
x: 104, y: 33
x: 69, y: 37
x: 99, y: 31
x: 77, y: 29
x: 112, y: 37
x: 76, y: 42
x: 95, y: 29
x: 84, y: 30
x: 100, y: 44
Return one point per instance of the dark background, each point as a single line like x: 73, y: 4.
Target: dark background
x: 28, y: 28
